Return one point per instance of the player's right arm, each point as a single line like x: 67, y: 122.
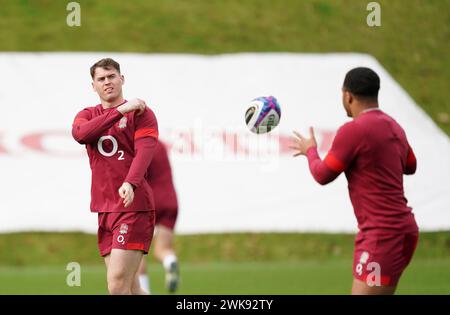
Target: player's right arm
x: 320, y: 171
x: 86, y: 129
x: 342, y: 152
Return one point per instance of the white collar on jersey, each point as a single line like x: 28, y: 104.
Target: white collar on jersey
x: 369, y: 110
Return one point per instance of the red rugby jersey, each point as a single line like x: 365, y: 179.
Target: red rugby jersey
x: 374, y: 153
x: 160, y: 179
x: 120, y: 149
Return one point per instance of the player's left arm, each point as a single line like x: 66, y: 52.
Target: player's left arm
x: 145, y: 140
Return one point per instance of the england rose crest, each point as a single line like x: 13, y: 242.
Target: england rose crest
x: 123, y: 229
x: 123, y: 122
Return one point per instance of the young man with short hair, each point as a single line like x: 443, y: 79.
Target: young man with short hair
x: 120, y: 138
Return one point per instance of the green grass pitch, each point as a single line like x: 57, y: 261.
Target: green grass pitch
x: 243, y: 263
x: 305, y: 277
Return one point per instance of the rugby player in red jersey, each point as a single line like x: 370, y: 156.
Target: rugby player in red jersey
x: 160, y: 179
x: 120, y: 138
x: 374, y: 153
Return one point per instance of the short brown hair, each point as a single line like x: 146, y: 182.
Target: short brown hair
x: 105, y: 63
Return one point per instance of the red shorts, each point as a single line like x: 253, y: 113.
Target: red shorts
x: 380, y: 259
x: 125, y: 230
x: 167, y: 217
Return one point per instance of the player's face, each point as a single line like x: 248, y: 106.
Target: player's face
x: 108, y: 83
x: 346, y: 100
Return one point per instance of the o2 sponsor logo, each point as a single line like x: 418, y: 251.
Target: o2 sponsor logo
x: 121, y: 239
x: 114, y: 150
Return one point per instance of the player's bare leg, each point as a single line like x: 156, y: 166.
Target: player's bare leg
x: 143, y: 266
x: 361, y: 288
x: 142, y: 276
x: 165, y: 253
x: 163, y: 242
x: 137, y: 288
x: 122, y: 266
x: 107, y: 261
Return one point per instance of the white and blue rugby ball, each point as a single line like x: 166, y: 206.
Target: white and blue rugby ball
x: 263, y: 114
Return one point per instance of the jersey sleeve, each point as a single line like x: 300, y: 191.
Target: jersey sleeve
x: 146, y: 125
x: 145, y: 141
x: 343, y: 151
x: 86, y: 129
x: 411, y: 162
x: 344, y: 148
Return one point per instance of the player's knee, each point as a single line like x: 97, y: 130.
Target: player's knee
x: 118, y: 288
x: 118, y: 284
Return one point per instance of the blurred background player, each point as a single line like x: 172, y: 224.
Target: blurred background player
x: 160, y: 179
x: 120, y: 138
x: 374, y: 153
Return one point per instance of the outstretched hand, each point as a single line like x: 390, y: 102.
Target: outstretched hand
x: 301, y: 144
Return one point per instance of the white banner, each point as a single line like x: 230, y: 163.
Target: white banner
x: 227, y: 178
